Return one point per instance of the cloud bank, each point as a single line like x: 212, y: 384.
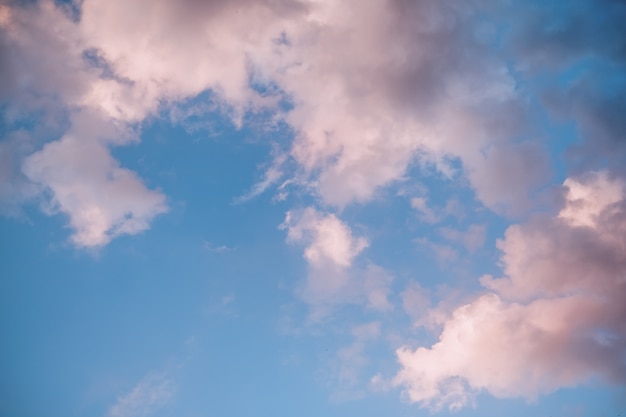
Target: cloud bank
x: 369, y: 89
x: 362, y: 111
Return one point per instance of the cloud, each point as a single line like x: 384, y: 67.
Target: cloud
x: 472, y: 239
x: 588, y: 197
x: 148, y: 50
x: 353, y: 359
x: 362, y: 112
x: 15, y: 188
x: 427, y: 214
x: 504, y: 175
x: 329, y: 242
x: 594, y: 102
x: 271, y: 176
x: 554, y: 320
x: 152, y: 393
x: 210, y: 247
x: 555, y: 35
x: 331, y: 249
x: 104, y: 71
x: 102, y: 199
x: 360, y: 118
x: 586, y: 41
x: 415, y: 301
x: 366, y: 114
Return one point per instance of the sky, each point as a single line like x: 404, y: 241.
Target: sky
x: 244, y: 208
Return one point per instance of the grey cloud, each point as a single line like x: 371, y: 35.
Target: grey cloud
x: 374, y: 85
x: 587, y: 39
x: 504, y: 174
x: 557, y: 34
x: 597, y: 107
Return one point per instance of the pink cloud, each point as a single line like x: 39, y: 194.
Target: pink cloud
x: 554, y: 320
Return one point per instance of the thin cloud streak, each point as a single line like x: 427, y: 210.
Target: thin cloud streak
x: 151, y: 394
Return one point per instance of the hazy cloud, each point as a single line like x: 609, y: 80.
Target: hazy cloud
x: 152, y: 393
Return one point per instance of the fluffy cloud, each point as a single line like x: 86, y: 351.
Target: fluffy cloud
x: 330, y: 251
x: 404, y: 80
x: 101, y: 199
x: 374, y: 86
x: 554, y: 320
x: 50, y: 80
x: 329, y: 241
x: 362, y: 110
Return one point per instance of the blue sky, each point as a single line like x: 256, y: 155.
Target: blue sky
x: 312, y: 208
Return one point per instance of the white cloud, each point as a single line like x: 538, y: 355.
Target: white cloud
x: 366, y: 114
x: 328, y: 240
x: 587, y: 198
x: 360, y: 117
x: 375, y: 85
x: 555, y: 320
x: 271, y: 176
x: 102, y: 199
x: 152, y: 393
x: 330, y: 249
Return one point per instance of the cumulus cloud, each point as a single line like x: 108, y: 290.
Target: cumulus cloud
x: 331, y: 248
x: 102, y: 199
x: 51, y: 79
x: 329, y: 241
x: 106, y: 68
x: 362, y: 111
x: 374, y: 87
x: 554, y: 320
x: 366, y: 114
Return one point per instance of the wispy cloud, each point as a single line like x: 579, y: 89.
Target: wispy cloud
x: 151, y: 394
x: 211, y: 247
x: 352, y: 361
x: 271, y: 176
